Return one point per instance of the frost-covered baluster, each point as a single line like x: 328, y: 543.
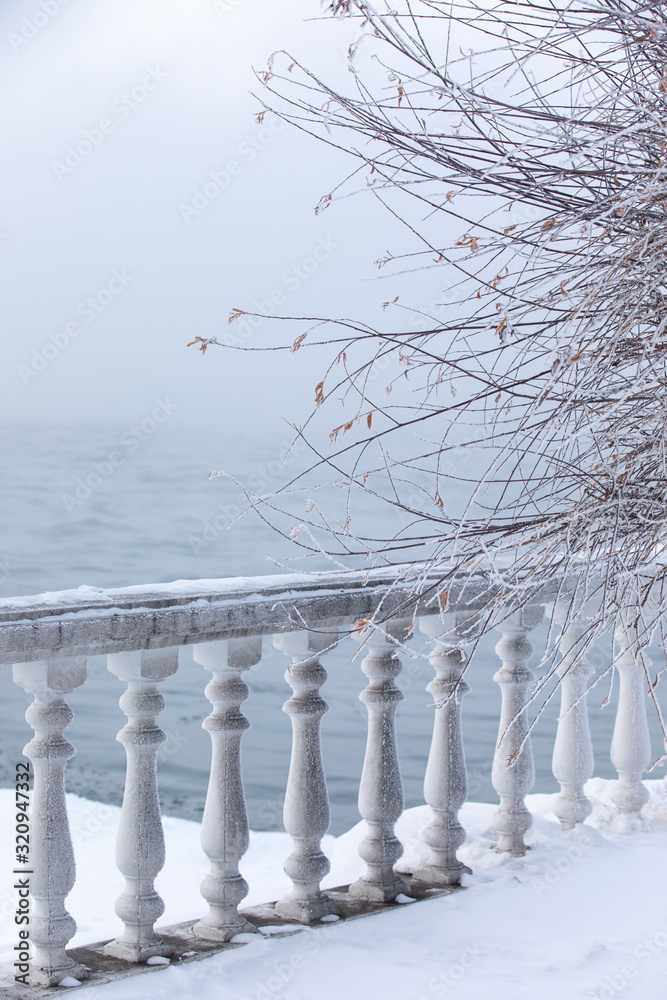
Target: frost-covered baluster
x: 224, y: 830
x: 306, y: 812
x: 573, y: 761
x: 140, y: 843
x: 630, y: 745
x: 380, y: 789
x: 513, y: 772
x: 446, y: 781
x: 51, y: 854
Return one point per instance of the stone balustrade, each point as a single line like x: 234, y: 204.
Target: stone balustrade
x: 47, y: 639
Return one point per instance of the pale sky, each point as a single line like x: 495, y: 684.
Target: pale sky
x: 115, y: 114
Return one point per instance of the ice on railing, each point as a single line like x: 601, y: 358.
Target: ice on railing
x: 306, y: 615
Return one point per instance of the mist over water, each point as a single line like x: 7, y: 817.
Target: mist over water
x: 146, y: 522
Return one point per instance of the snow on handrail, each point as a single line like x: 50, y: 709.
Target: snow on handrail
x: 89, y: 620
x: 49, y: 637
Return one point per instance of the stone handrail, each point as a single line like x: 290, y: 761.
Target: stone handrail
x: 48, y: 638
x: 90, y: 620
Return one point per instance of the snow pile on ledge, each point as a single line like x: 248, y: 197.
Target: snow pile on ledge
x: 583, y: 914
x: 225, y: 588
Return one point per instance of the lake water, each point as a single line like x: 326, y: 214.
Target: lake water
x: 156, y: 517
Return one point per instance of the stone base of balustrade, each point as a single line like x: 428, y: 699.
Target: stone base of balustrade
x: 207, y: 932
x: 180, y: 941
x: 305, y: 911
x: 442, y: 876
x: 128, y: 951
x: 51, y: 977
x: 378, y: 892
x: 350, y: 906
x: 629, y: 797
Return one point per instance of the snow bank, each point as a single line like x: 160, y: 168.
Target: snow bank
x: 583, y: 914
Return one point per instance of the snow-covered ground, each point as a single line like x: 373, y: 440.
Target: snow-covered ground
x: 583, y: 914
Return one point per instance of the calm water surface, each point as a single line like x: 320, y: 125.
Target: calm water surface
x: 156, y: 517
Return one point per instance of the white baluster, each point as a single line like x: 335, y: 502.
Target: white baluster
x: 630, y: 745
x: 224, y: 830
x: 140, y: 843
x: 446, y: 781
x: 51, y: 853
x: 573, y: 761
x: 306, y: 811
x: 513, y: 772
x: 380, y: 789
